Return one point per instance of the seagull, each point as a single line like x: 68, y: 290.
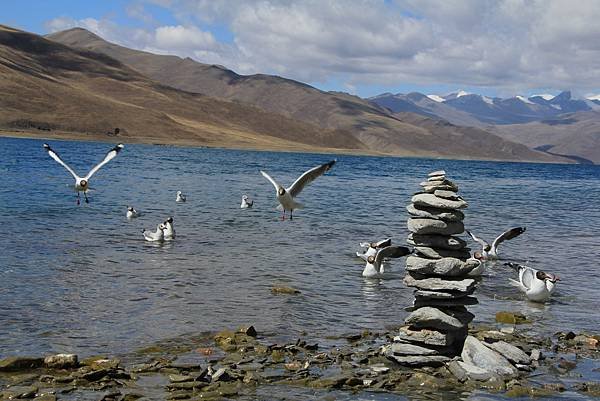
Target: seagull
x: 180, y: 197
x: 374, y: 266
x: 132, y: 213
x: 82, y: 184
x: 246, y: 202
x: 286, y: 196
x: 491, y: 252
x: 477, y: 257
x: 372, y: 248
x: 536, y: 284
x: 155, y: 236
x: 169, y: 230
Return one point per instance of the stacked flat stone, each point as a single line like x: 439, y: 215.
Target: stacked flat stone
x: 437, y: 325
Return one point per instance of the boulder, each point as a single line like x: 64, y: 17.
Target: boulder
x: 439, y: 284
x: 428, y: 336
x: 428, y: 317
x: 436, y: 241
x: 433, y: 213
x: 434, y: 226
x: 464, y: 371
x: 407, y: 349
x: 61, y: 361
x: 510, y: 352
x: 432, y: 253
x: 476, y: 353
x: 430, y: 200
x: 16, y: 363
x: 450, y: 267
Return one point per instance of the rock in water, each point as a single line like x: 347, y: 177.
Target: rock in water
x: 475, y: 353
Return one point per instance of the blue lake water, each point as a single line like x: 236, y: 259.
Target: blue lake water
x: 82, y: 279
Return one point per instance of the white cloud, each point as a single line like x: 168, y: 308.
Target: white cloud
x: 180, y: 37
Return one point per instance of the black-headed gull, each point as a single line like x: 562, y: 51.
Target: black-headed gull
x: 246, y: 202
x: 132, y: 213
x: 535, y: 284
x: 82, y: 183
x: 372, y: 248
x: 180, y: 197
x: 286, y: 196
x: 374, y: 266
x: 490, y: 252
x: 169, y: 230
x: 155, y: 236
x: 478, y: 258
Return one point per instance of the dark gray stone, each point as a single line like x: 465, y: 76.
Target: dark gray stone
x: 451, y: 195
x: 419, y: 302
x: 429, y: 317
x: 433, y: 213
x: 15, y: 363
x: 431, y: 253
x: 420, y: 360
x: 441, y: 295
x: 436, y: 241
x: 434, y: 226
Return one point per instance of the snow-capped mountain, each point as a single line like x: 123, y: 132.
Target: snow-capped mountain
x: 460, y: 107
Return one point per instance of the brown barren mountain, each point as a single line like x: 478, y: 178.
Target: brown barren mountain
x: 350, y: 116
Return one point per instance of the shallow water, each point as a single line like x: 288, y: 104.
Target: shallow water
x: 82, y: 279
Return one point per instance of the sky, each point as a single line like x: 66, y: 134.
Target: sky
x: 364, y: 47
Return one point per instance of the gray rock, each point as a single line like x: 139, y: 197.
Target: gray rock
x: 464, y: 371
x: 459, y: 312
x: 428, y: 317
x: 428, y: 336
x: 61, y: 361
x: 433, y: 213
x: 429, y: 189
x: 430, y: 200
x: 440, y: 284
x: 437, y: 172
x: 510, y: 352
x: 476, y: 353
x: 450, y: 267
x: 420, y: 360
x: 407, y: 349
x: 434, y: 226
x: 536, y: 354
x: 222, y: 374
x: 432, y: 253
x: 15, y: 363
x: 174, y: 378
x: 436, y: 241
x: 445, y: 303
x: 440, y: 193
x: 425, y: 295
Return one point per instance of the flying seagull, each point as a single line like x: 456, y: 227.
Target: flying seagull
x: 372, y: 248
x: 286, y: 196
x: 490, y: 252
x: 374, y: 266
x: 536, y: 284
x: 82, y: 184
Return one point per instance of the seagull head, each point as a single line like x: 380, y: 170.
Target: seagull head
x: 169, y: 220
x: 487, y: 248
x: 553, y: 278
x: 281, y: 191
x: 245, y: 197
x: 371, y: 259
x: 477, y: 255
x: 83, y: 183
x: 161, y: 227
x: 130, y: 208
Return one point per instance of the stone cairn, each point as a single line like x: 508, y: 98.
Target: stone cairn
x: 436, y: 328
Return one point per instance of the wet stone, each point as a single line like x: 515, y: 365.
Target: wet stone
x: 449, y: 267
x: 434, y: 226
x: 440, y: 284
x: 427, y: 336
x: 61, y: 361
x: 16, y: 363
x: 428, y: 317
x: 476, y: 353
x: 510, y: 352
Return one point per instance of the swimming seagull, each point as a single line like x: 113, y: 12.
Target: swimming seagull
x: 82, y: 184
x: 372, y: 248
x: 286, y: 196
x: 374, y: 266
x: 246, y: 202
x: 491, y: 252
x: 132, y: 213
x: 478, y: 258
x: 180, y: 197
x: 155, y: 236
x: 536, y: 284
x: 169, y: 230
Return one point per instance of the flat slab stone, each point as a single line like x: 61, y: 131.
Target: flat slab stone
x: 430, y: 200
x: 476, y: 353
x: 407, y: 349
x: 440, y: 284
x: 61, y: 361
x: 420, y: 360
x: 437, y: 172
x: 425, y: 295
x: 15, y: 363
x: 434, y: 226
x: 428, y: 336
x: 419, y: 302
x: 450, y: 267
x: 434, y: 213
x: 464, y: 371
x: 436, y: 241
x: 452, y: 195
x: 428, y: 317
x: 510, y: 352
x: 431, y: 253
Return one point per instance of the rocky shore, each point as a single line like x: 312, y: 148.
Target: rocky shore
x: 235, y: 363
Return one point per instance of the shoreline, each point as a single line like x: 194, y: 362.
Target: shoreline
x: 69, y: 136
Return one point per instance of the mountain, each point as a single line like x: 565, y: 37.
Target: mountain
x: 375, y: 128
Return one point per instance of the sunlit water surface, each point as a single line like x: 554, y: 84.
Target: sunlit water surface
x: 82, y: 279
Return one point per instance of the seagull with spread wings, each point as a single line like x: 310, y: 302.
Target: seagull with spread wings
x: 286, y: 196
x: 374, y: 266
x: 372, y: 248
x: 82, y: 183
x: 490, y: 252
x: 535, y: 284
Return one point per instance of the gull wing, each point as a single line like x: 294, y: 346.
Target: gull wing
x: 479, y: 240
x: 56, y: 157
x: 268, y: 177
x: 383, y: 243
x: 526, y: 276
x: 309, y: 177
x: 391, y: 252
x: 111, y: 154
x: 508, y: 234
